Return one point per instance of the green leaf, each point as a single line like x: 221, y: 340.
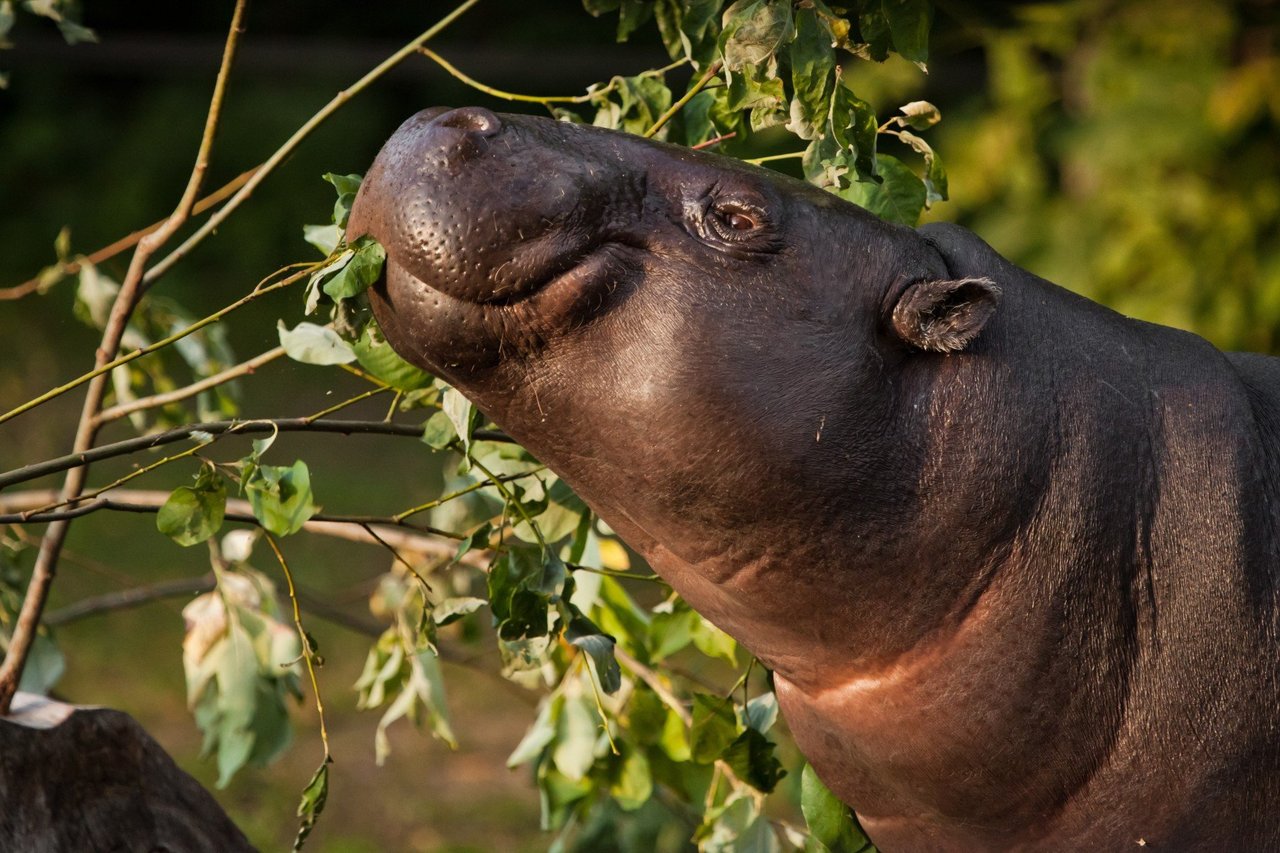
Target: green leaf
x: 324, y: 237
x: 583, y: 634
x: 761, y: 712
x: 875, y: 38
x: 713, y: 642
x: 574, y: 749
x: 438, y: 431
x: 347, y: 186
x: 671, y: 630
x: 462, y: 414
x: 631, y: 15
x: 453, y: 609
x: 479, y: 538
x: 559, y: 795
x: 714, y: 727
x: 900, y: 198
x: 909, y: 24
x: 194, y: 513
x: 281, y: 497
x: 312, y: 344
x: 935, y: 175
x: 753, y: 32
x: 751, y: 757
x: 45, y: 665
x: 813, y: 76
x: 377, y: 357
x: 829, y: 820
x: 598, y: 7
x: 541, y: 733
x: 314, y: 797
x: 359, y: 272
x: 633, y: 785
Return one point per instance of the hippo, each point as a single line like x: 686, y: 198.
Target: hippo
x: 1012, y: 558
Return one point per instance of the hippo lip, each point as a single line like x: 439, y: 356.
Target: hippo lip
x: 575, y: 270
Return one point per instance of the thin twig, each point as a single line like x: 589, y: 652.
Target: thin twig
x: 157, y: 400
x: 239, y: 427
x: 132, y: 597
x: 350, y: 401
x: 296, y: 139
x: 308, y: 652
x: 70, y: 268
x: 715, y: 140
x: 649, y: 677
x: 131, y: 289
x: 105, y: 368
x: 791, y: 155
x: 534, y: 99
x: 711, y: 71
x: 15, y: 507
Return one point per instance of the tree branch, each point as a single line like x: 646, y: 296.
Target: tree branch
x: 126, y: 300
x: 239, y: 427
x: 157, y: 400
x: 295, y: 140
x: 132, y: 597
x: 15, y: 509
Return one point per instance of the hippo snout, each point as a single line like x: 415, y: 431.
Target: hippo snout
x: 455, y: 134
x: 480, y: 208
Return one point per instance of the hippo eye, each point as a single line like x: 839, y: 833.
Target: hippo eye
x: 735, y: 222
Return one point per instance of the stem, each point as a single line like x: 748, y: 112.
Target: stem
x: 157, y: 400
x: 511, y: 500
x: 716, y: 140
x: 31, y: 285
x: 16, y: 509
x: 132, y: 597
x: 443, y: 499
x: 611, y: 573
x: 250, y: 427
x: 533, y: 99
x: 308, y: 653
x: 711, y: 71
x: 191, y: 451
x: 350, y: 401
x: 126, y: 300
x: 788, y: 156
x: 296, y: 139
x: 104, y: 368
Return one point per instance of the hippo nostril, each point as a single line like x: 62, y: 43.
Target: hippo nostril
x: 476, y: 120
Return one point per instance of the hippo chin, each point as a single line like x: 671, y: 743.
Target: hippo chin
x: 1013, y: 558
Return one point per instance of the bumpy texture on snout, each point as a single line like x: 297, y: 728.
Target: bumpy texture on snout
x: 475, y: 208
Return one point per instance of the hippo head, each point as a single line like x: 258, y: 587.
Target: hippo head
x: 697, y: 345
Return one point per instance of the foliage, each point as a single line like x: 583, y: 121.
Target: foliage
x: 654, y: 730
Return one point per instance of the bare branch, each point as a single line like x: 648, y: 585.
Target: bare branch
x: 126, y: 300
x: 14, y: 509
x: 132, y: 597
x: 296, y: 139
x: 178, y: 394
x: 239, y: 427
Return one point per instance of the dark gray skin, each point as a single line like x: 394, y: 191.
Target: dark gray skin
x: 1012, y: 557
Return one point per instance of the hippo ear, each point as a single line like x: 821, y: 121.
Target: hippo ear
x: 944, y: 316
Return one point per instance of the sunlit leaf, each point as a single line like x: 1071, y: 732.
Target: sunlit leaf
x: 899, y: 198
x: 312, y: 344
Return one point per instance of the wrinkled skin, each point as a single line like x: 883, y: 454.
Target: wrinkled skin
x: 1011, y: 556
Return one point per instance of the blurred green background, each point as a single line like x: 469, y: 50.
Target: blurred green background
x: 1128, y: 151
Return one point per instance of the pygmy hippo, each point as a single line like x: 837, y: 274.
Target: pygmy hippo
x: 1013, y: 558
